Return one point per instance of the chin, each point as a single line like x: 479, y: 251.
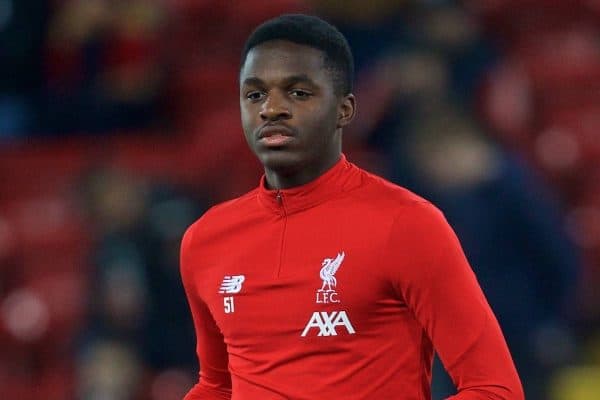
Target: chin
x: 281, y: 160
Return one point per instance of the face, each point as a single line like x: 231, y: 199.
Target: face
x: 291, y: 116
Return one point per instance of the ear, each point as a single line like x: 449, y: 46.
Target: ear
x: 346, y: 110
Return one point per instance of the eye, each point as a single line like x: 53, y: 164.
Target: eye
x: 300, y: 93
x: 255, y: 95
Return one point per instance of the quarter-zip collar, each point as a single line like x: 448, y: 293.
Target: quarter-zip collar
x: 343, y: 176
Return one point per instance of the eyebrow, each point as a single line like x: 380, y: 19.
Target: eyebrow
x: 253, y: 81
x: 288, y: 81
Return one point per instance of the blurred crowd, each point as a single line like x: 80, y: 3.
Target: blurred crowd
x: 119, y: 126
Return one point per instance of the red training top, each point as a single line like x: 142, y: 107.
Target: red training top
x: 338, y: 289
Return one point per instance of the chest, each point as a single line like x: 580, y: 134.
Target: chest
x: 300, y: 276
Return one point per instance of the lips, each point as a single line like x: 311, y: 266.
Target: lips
x: 275, y: 136
x: 274, y: 130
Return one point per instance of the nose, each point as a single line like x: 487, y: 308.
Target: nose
x: 275, y: 108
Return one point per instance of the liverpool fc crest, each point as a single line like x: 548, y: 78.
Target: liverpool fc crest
x: 329, y: 266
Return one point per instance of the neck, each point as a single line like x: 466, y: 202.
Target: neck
x: 278, y: 179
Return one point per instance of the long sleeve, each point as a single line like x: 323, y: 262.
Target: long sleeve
x: 440, y: 288
x: 215, y: 380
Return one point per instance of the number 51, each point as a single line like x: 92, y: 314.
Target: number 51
x: 228, y: 304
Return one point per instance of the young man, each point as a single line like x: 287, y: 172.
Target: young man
x: 327, y: 282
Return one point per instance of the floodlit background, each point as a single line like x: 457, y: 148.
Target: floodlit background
x: 119, y: 126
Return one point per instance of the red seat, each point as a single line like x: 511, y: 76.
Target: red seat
x: 561, y: 58
x: 509, y: 20
x: 583, y: 124
x: 41, y: 167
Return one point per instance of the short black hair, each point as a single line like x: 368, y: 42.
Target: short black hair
x: 313, y: 32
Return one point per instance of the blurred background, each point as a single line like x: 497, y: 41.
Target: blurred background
x: 119, y: 126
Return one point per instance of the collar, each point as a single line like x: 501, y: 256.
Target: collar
x: 342, y: 177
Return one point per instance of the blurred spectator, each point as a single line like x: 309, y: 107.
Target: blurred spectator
x: 109, y: 370
x: 22, y: 31
x: 104, y: 65
x: 440, y: 152
x: 511, y: 231
x: 139, y: 310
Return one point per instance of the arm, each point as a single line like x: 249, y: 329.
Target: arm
x: 442, y: 291
x: 215, y: 380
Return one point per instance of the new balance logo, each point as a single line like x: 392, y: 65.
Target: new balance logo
x: 232, y: 284
x: 327, y: 322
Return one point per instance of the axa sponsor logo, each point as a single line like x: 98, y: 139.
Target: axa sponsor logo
x: 323, y: 323
x: 327, y: 293
x: 326, y: 324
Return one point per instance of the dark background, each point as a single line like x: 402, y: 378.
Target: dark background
x: 119, y: 126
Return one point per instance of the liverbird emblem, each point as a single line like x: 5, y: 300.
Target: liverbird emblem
x: 328, y: 270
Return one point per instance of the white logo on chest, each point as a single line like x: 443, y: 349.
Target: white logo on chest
x: 327, y: 293
x: 232, y: 284
x: 327, y: 323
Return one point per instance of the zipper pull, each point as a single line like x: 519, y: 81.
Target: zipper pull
x: 279, y: 198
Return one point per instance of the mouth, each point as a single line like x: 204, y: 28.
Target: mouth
x: 275, y: 135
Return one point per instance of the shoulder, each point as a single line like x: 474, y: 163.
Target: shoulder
x: 393, y: 200
x: 400, y: 214
x: 225, y: 211
x: 218, y: 217
x: 239, y: 205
